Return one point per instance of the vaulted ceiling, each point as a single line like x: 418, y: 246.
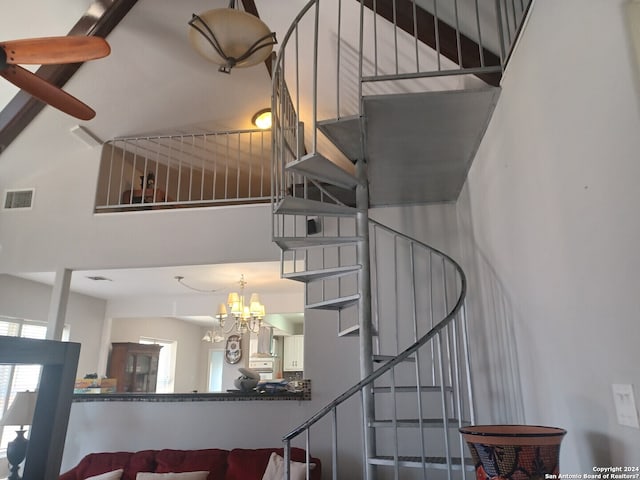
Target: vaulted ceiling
x: 153, y: 81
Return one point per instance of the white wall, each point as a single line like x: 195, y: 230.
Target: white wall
x: 552, y: 230
x: 30, y: 300
x: 132, y: 426
x: 62, y: 216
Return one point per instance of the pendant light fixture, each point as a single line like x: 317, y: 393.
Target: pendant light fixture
x: 231, y: 38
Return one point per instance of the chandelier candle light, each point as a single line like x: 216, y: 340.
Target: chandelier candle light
x: 247, y: 317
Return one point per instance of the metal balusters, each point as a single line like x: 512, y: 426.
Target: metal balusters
x: 467, y: 361
x: 338, y: 45
x: 445, y: 413
x: 182, y: 166
x: 334, y: 443
x: 436, y: 28
x: 442, y: 352
x: 479, y: 31
x: 458, y: 41
x: 415, y: 33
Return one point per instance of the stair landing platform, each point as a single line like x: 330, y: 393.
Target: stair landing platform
x: 420, y: 145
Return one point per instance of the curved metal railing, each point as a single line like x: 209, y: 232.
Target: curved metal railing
x: 336, y: 51
x: 439, y: 359
x: 368, y: 47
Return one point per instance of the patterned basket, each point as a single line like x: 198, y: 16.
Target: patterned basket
x: 514, y: 452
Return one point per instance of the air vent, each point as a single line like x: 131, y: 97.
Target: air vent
x: 18, y: 199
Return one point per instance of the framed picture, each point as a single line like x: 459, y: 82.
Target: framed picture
x: 233, y: 349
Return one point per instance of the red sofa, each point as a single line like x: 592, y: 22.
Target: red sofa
x: 237, y: 464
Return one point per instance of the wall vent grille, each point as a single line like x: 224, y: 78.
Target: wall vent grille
x: 18, y: 199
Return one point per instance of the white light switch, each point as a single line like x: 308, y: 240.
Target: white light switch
x: 625, y: 405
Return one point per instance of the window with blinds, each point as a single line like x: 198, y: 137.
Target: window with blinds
x: 18, y: 378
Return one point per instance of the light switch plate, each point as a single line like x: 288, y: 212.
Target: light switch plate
x: 625, y: 404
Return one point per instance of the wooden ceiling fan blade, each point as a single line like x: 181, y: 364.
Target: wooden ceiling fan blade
x: 55, y: 50
x: 47, y: 92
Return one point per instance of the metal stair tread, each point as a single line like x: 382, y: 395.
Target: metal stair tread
x: 415, y: 423
x: 386, y: 358
x: 411, y: 389
x: 311, y: 275
x: 292, y: 243
x: 353, y: 331
x: 416, y: 462
x: 345, y: 134
x: 335, y: 303
x: 303, y: 206
x: 319, y: 167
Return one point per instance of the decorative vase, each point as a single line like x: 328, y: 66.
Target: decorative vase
x: 514, y: 452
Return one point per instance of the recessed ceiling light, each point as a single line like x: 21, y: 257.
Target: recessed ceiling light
x: 262, y: 119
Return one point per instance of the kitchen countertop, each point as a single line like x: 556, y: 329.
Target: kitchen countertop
x: 228, y: 396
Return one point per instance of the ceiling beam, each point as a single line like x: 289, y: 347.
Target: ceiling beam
x: 99, y: 20
x: 250, y: 7
x: 447, y: 36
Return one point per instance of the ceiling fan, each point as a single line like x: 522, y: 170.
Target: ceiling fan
x: 49, y: 51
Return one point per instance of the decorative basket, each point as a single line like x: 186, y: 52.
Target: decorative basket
x: 514, y: 452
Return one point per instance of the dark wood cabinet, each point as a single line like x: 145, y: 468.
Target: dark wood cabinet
x: 135, y: 366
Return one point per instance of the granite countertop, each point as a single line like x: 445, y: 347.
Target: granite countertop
x: 228, y: 396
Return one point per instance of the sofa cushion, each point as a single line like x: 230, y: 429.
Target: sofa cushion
x: 173, y: 476
x: 131, y: 463
x: 250, y: 464
x: 213, y: 460
x: 115, y: 475
x: 276, y: 469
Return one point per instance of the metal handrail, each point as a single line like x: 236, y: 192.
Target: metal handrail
x: 187, y: 170
x: 292, y: 119
x: 400, y: 357
x: 448, y: 346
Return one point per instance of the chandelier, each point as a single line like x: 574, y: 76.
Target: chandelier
x: 245, y: 316
x: 231, y: 38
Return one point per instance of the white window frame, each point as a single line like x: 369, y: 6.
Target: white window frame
x: 173, y: 347
x: 210, y: 369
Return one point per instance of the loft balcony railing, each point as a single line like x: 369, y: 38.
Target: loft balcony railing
x: 178, y: 171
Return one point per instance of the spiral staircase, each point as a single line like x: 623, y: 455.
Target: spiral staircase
x: 403, y: 299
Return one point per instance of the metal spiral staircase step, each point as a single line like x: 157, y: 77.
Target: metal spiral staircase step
x: 311, y: 275
x: 415, y: 423
x: 302, y: 206
x: 439, y: 463
x: 345, y: 134
x: 318, y: 192
x: 410, y: 389
x: 386, y: 358
x: 293, y: 243
x: 353, y: 331
x: 335, y: 303
x: 319, y: 167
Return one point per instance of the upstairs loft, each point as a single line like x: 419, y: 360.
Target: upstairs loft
x: 421, y: 131
x: 171, y: 171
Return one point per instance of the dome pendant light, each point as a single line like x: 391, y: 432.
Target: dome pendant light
x: 231, y: 38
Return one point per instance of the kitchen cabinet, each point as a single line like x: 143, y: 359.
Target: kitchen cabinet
x: 135, y: 366
x: 293, y: 353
